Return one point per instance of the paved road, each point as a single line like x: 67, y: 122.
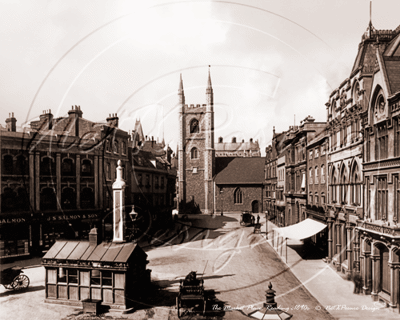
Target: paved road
x: 236, y: 265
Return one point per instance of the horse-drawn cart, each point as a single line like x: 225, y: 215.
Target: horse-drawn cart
x: 12, y: 278
x: 191, y: 298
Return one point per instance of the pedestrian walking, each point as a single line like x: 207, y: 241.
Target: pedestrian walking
x: 258, y: 219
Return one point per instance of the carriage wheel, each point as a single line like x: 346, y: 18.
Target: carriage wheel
x: 9, y: 286
x: 20, y: 282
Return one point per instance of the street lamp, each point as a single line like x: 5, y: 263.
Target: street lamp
x: 270, y: 308
x: 222, y: 201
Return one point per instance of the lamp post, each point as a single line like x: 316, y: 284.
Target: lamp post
x: 270, y: 308
x: 221, y: 192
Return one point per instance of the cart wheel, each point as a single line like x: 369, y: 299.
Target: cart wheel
x: 9, y: 286
x: 20, y: 282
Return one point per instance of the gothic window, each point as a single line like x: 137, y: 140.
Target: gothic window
x: 381, y: 198
x: 238, y: 196
x: 311, y: 198
x: 356, y: 91
x: 8, y: 164
x: 322, y: 173
x: 343, y: 186
x: 322, y: 198
x: 67, y: 167
x: 194, y: 153
x: 86, y: 167
x: 316, y: 199
x: 316, y: 174
x: 310, y: 172
x: 194, y: 126
x: 355, y: 185
x: 333, y: 186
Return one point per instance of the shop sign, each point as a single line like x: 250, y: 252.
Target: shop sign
x: 12, y: 220
x: 66, y: 217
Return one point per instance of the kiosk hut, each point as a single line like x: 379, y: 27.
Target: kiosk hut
x: 113, y: 273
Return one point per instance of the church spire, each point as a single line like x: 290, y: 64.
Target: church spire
x: 209, y: 90
x: 181, y: 93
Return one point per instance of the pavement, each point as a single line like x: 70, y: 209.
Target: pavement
x: 332, y: 290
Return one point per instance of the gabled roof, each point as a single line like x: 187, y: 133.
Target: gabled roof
x: 239, y: 170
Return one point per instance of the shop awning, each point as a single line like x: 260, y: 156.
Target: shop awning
x: 301, y: 230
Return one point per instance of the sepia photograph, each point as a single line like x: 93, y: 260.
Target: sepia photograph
x: 200, y: 159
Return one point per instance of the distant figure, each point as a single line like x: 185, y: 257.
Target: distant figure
x: 258, y: 219
x: 357, y: 279
x: 252, y: 219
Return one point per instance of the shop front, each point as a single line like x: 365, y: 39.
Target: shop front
x: 15, y: 235
x: 67, y: 225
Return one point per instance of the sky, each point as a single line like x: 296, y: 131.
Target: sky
x: 273, y: 63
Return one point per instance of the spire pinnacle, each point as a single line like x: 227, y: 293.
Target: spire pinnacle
x: 209, y: 86
x: 181, y: 83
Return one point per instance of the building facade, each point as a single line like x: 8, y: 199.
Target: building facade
x: 379, y: 227
x: 56, y: 179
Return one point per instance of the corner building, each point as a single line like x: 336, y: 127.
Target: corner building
x: 380, y: 227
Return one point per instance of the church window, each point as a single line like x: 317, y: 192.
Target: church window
x: 194, y: 126
x: 194, y: 153
x: 238, y: 196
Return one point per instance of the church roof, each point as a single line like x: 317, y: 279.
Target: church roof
x: 239, y: 170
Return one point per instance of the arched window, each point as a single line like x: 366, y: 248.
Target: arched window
x: 343, y: 186
x: 8, y: 200
x: 316, y: 174
x: 68, y: 199
x: 21, y: 165
x: 115, y: 146
x: 47, y: 166
x: 194, y: 153
x: 67, y: 167
x: 48, y: 200
x: 194, y: 126
x: 108, y: 171
x: 333, y: 186
x: 310, y: 173
x: 87, y: 198
x: 22, y: 199
x: 356, y: 91
x: 322, y: 173
x: 86, y: 167
x: 8, y: 164
x: 316, y: 199
x: 355, y: 185
x: 238, y: 196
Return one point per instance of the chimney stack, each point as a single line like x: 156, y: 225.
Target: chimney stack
x: 94, y: 237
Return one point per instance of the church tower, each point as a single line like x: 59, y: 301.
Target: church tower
x: 196, y: 151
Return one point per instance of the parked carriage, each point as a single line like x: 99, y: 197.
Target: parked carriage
x: 12, y: 278
x: 247, y: 219
x: 191, y: 298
